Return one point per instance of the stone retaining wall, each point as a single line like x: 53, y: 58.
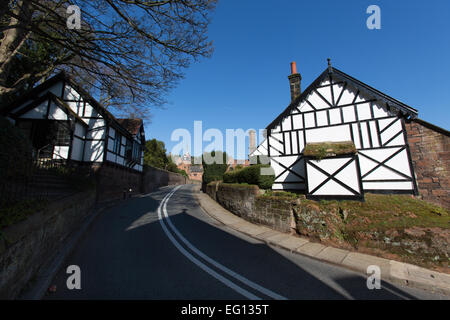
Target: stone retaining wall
x: 430, y: 153
x: 154, y: 178
x: 26, y: 246
x: 245, y: 201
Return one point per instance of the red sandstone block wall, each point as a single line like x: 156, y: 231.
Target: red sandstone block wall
x: 430, y: 153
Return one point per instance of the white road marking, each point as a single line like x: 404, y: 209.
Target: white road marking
x: 231, y: 273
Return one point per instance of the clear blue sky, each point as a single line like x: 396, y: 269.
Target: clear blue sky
x: 245, y: 85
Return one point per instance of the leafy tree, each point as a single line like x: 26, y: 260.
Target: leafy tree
x: 129, y: 51
x: 155, y: 154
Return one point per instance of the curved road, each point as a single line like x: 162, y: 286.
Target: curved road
x: 163, y: 246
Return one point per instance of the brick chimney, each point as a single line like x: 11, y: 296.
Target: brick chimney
x: 295, y: 80
x: 252, y: 141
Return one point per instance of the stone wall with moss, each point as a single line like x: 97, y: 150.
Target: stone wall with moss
x: 400, y: 227
x: 27, y: 245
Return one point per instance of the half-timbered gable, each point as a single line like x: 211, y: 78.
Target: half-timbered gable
x: 65, y: 122
x: 339, y: 108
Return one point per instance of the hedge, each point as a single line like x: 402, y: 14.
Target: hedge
x: 250, y: 175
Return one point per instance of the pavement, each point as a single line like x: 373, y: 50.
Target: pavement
x: 163, y: 245
x: 394, y: 271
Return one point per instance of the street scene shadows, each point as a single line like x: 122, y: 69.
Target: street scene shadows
x: 126, y: 255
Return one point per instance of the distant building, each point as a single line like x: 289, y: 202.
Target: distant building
x: 194, y: 171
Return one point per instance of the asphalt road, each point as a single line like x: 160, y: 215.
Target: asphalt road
x: 135, y: 251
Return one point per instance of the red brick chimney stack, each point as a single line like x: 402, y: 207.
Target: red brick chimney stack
x: 295, y: 80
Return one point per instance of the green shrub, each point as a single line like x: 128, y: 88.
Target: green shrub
x: 250, y: 175
x: 214, y: 171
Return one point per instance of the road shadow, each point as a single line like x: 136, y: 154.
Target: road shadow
x: 126, y: 255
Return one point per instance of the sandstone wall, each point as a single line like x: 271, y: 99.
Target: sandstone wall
x: 245, y: 202
x: 26, y: 246
x: 114, y: 181
x: 154, y: 178
x: 430, y: 153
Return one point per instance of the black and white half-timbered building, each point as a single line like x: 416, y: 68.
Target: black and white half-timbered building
x: 339, y: 109
x: 65, y: 123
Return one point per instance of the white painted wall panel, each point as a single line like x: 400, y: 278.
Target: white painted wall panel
x: 398, y: 141
x: 89, y: 111
x: 94, y: 151
x: 294, y: 142
x: 317, y: 101
x: 374, y: 135
x: 322, y: 119
x: 61, y: 152
x: 286, y: 124
x: 365, y: 135
x: 96, y: 134
x: 335, y: 116
x: 76, y: 106
x: 77, y: 149
x: 288, y: 186
x: 80, y: 130
x: 309, y: 120
x: 391, y: 131
x: 70, y: 93
x: 356, y: 138
x: 349, y: 114
x: 347, y: 97
x: 332, y: 188
x: 56, y: 113
x: 298, y: 122
x: 39, y: 112
x: 379, y: 111
x: 304, y: 107
x: 287, y: 143
x: 326, y: 93
x: 364, y: 111
x: 335, y: 134
x: 388, y: 185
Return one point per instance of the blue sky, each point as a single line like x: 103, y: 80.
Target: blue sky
x: 244, y: 84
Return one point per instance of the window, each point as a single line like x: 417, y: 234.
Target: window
x: 136, y: 151
x: 129, y: 150
x: 117, y: 143
x: 62, y: 137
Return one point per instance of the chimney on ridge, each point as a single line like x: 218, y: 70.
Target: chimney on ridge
x: 251, y: 141
x: 295, y: 80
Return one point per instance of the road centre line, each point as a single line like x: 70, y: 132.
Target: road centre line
x: 231, y: 273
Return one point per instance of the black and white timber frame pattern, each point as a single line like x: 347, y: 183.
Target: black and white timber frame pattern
x: 335, y: 177
x: 337, y: 107
x: 95, y: 130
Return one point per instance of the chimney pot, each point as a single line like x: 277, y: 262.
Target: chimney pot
x: 293, y: 67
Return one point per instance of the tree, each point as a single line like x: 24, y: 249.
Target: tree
x: 214, y: 171
x: 130, y: 52
x: 155, y: 154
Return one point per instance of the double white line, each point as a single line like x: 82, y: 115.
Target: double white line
x: 166, y: 219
